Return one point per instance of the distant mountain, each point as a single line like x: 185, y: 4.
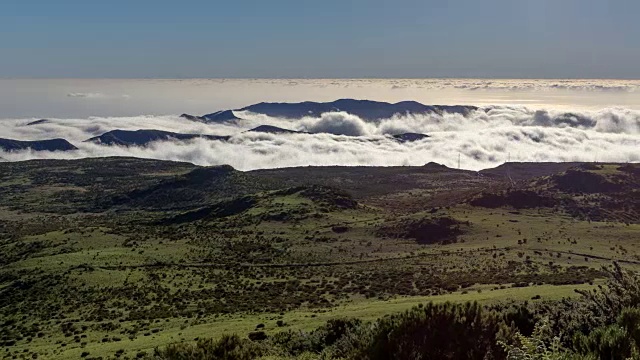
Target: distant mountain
x: 193, y: 117
x: 365, y: 109
x: 216, y: 117
x: 38, y: 122
x: 410, y: 137
x: 221, y: 116
x: 270, y: 129
x: 144, y: 137
x: 274, y: 130
x: 36, y: 145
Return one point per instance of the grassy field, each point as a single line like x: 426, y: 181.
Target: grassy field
x: 297, y: 320
x: 114, y: 264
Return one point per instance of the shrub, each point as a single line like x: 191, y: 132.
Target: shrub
x: 257, y: 336
x: 617, y: 341
x: 229, y: 347
x: 435, y: 331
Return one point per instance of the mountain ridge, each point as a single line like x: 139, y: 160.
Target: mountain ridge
x: 57, y: 144
x: 143, y: 137
x: 367, y: 110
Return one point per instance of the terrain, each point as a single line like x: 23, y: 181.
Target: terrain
x: 371, y: 111
x: 113, y: 257
x: 36, y: 145
x: 145, y: 137
x: 365, y: 109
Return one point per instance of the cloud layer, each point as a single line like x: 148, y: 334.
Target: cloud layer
x: 484, y: 138
x: 81, y: 98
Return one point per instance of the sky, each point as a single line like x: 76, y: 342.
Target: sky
x: 319, y: 39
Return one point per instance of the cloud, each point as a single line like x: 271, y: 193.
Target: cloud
x: 483, y: 139
x: 86, y: 95
x: 96, y: 95
x: 337, y: 123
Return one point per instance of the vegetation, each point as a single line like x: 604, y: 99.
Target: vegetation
x: 459, y: 331
x: 99, y: 261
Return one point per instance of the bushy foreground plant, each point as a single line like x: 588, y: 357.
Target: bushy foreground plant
x: 228, y: 347
x: 602, y: 324
x: 537, y: 346
x: 433, y: 331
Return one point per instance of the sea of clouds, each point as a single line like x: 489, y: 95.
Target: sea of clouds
x: 484, y: 138
x: 82, y: 98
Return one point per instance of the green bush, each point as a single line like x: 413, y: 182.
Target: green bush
x: 229, y: 347
x: 602, y: 324
x: 617, y: 341
x: 435, y: 331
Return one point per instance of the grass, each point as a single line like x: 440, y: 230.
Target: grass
x: 174, y: 330
x: 122, y: 273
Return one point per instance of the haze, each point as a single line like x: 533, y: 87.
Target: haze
x: 81, y: 98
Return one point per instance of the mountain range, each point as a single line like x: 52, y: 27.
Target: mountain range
x: 371, y: 111
x: 365, y: 109
x: 145, y: 136
x: 36, y: 145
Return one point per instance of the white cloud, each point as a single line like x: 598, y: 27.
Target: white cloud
x: 86, y: 95
x: 484, y: 139
x: 338, y: 123
x: 96, y: 95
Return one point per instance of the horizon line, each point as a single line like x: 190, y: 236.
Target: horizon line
x: 321, y: 78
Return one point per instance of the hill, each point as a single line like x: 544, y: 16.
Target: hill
x: 198, y: 187
x: 594, y: 192
x: 36, y: 145
x: 221, y: 116
x: 145, y: 137
x: 97, y: 260
x: 270, y: 129
x: 365, y: 109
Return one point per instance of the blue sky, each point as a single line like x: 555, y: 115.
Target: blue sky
x: 330, y: 38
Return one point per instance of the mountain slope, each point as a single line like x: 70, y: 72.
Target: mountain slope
x: 365, y: 109
x: 198, y: 187
x: 595, y: 192
x: 36, y: 145
x: 144, y: 137
x: 270, y: 129
x: 221, y: 116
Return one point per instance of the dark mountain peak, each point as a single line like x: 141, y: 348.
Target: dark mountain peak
x: 410, y: 137
x: 270, y: 129
x: 145, y: 136
x: 366, y: 109
x: 435, y: 166
x: 38, y: 122
x: 193, y: 117
x: 36, y: 145
x: 221, y: 116
x: 357, y: 102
